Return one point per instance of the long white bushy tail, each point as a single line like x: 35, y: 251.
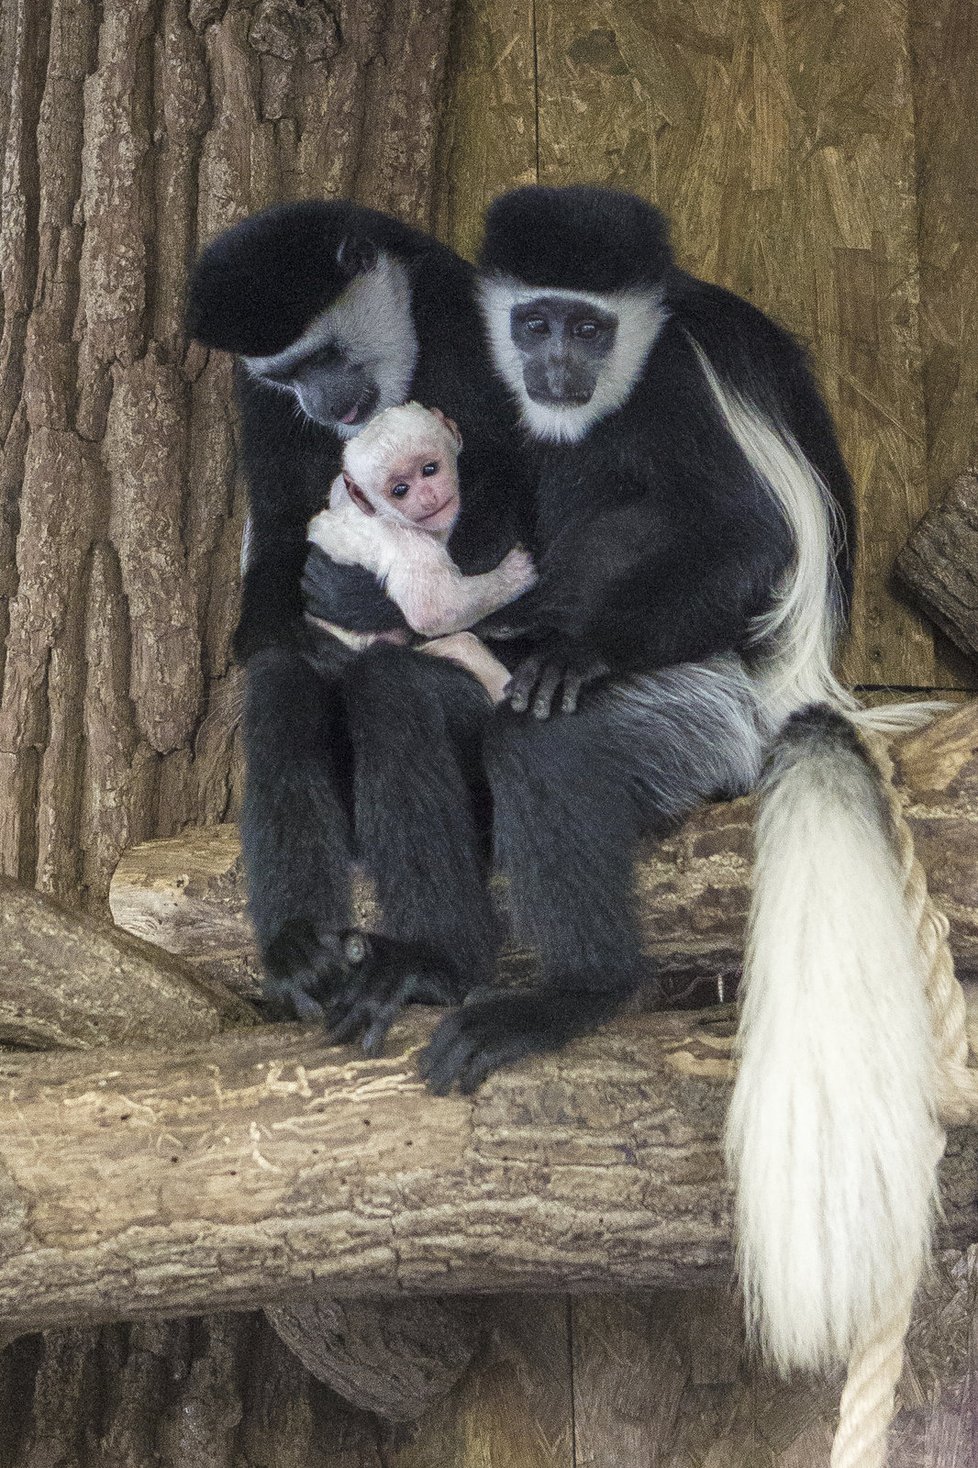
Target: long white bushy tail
x: 831, y: 1139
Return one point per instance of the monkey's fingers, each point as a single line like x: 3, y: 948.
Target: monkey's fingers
x: 551, y: 676
x: 520, y: 688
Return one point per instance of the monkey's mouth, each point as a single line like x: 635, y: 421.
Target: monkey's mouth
x: 433, y: 514
x: 566, y: 400
x: 362, y: 408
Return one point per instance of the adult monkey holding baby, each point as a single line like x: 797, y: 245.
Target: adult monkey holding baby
x: 693, y: 579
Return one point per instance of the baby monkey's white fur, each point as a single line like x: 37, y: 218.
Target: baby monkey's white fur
x: 411, y: 561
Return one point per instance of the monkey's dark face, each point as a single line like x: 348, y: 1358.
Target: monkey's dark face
x: 569, y: 357
x: 332, y: 387
x: 563, y: 344
x: 355, y: 358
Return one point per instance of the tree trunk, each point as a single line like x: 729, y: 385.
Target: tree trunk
x: 131, y: 133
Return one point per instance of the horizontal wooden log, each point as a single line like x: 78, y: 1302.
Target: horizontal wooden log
x: 187, y: 894
x: 68, y: 981
x: 939, y: 563
x: 261, y: 1162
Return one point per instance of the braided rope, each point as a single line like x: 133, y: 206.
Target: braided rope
x: 868, y: 1400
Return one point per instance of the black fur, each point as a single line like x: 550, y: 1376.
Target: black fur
x: 373, y: 757
x: 255, y: 290
x: 657, y: 546
x: 577, y: 238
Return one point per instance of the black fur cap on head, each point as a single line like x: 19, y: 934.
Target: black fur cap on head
x: 256, y: 288
x: 576, y: 238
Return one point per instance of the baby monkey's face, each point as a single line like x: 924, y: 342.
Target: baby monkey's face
x: 424, y: 488
x: 421, y: 489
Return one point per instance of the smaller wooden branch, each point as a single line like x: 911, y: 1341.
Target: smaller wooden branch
x: 188, y: 893
x: 70, y: 982
x: 392, y: 1357
x: 939, y: 563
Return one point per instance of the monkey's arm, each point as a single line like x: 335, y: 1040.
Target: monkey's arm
x: 437, y: 599
x: 349, y: 596
x: 622, y: 600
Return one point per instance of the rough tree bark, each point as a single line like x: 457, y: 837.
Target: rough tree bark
x: 130, y: 133
x: 187, y: 893
x: 225, y: 1174
x: 939, y: 562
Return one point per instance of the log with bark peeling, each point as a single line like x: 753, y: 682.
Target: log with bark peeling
x: 263, y: 1161
x: 187, y: 894
x: 939, y: 563
x: 70, y: 982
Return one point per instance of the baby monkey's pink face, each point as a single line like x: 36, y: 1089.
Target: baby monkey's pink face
x: 423, y: 487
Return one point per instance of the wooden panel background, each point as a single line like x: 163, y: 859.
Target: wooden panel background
x: 821, y: 159
x: 781, y: 138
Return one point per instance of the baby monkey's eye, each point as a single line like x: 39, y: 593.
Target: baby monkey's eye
x: 399, y: 491
x: 429, y: 469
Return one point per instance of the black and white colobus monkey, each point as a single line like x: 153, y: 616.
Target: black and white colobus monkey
x: 693, y: 577
x: 335, y: 313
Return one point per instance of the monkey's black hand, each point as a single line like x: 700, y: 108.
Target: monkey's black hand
x: 552, y: 680
x: 305, y: 966
x: 472, y: 1042
x: 392, y: 975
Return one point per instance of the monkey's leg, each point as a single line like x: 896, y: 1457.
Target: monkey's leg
x: 416, y: 727
x: 294, y: 825
x: 573, y: 797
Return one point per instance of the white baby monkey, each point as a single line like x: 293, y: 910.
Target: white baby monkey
x: 391, y: 511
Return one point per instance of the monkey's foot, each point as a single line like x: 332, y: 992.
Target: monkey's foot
x: 305, y: 965
x: 472, y: 1042
x: 392, y: 975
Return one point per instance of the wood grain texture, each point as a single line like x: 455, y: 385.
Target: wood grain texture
x: 779, y: 138
x: 944, y: 42
x: 132, y: 132
x: 939, y: 564
x: 230, y: 1173
x: 663, y: 1379
x: 488, y: 140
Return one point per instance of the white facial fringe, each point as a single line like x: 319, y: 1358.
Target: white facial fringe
x: 371, y: 322
x: 641, y: 316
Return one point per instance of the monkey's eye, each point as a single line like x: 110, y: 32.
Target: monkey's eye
x: 588, y: 330
x: 399, y: 491
x: 430, y: 469
x: 537, y: 325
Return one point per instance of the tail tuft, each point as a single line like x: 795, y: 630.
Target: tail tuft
x: 831, y: 1139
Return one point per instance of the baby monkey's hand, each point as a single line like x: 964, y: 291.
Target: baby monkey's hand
x: 517, y: 572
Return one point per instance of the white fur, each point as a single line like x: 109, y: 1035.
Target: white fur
x: 796, y: 639
x: 725, y: 700
x: 391, y: 436
x: 831, y: 1137
x: 641, y: 316
x: 371, y: 321
x: 414, y: 567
